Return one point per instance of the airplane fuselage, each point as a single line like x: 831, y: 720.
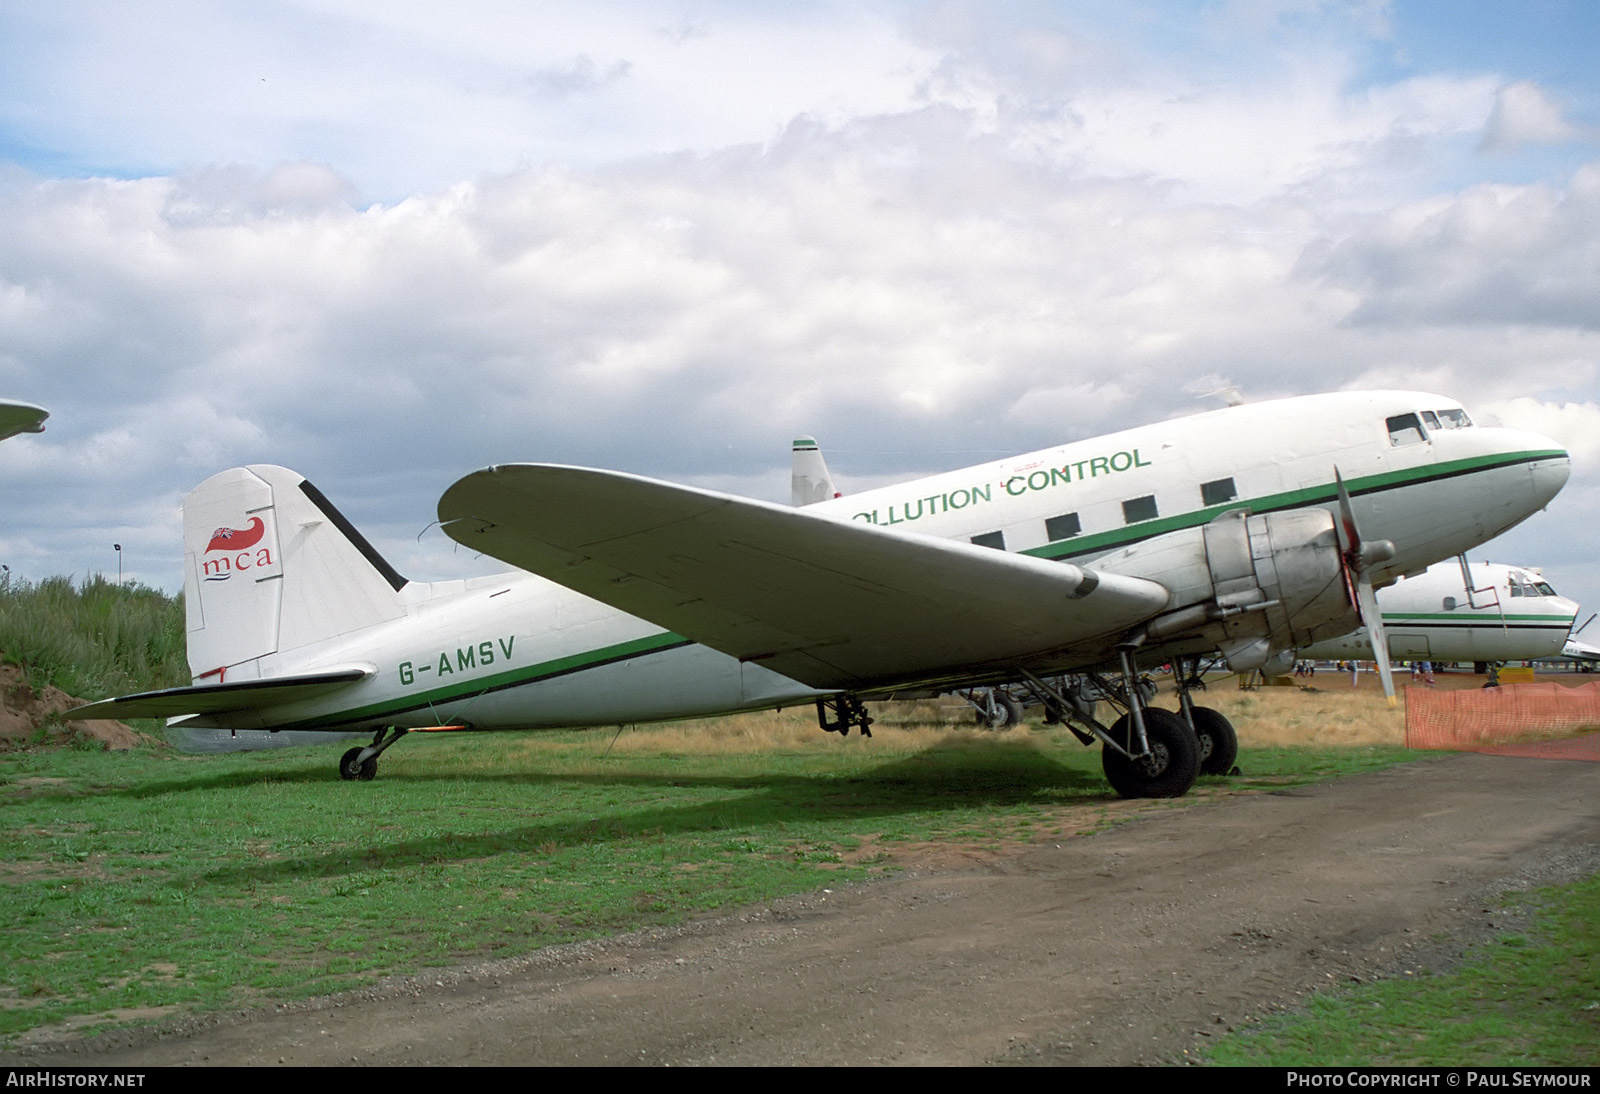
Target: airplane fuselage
x: 1431, y: 490
x: 517, y: 651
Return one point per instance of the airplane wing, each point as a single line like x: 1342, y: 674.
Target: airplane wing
x: 832, y: 603
x: 18, y: 417
x: 216, y: 698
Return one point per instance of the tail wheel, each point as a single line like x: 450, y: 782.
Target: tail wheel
x: 1171, y: 766
x: 1219, y: 744
x: 351, y: 767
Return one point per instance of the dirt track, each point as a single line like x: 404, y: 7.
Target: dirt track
x: 1130, y: 946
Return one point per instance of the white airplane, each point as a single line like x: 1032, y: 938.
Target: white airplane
x: 1503, y: 613
x: 1576, y: 649
x: 1249, y: 531
x: 18, y: 417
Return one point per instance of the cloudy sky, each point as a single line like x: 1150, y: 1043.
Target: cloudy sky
x: 388, y: 243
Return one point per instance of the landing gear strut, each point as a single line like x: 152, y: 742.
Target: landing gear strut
x: 1219, y: 744
x: 362, y: 763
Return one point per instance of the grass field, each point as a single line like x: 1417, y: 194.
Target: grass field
x: 1529, y: 998
x: 146, y: 884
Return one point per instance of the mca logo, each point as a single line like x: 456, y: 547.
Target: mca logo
x: 232, y: 550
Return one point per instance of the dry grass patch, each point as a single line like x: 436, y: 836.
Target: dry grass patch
x: 1283, y: 717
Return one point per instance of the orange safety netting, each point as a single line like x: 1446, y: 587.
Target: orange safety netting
x: 1543, y: 720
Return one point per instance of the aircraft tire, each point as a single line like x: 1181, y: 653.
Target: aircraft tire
x: 1007, y: 712
x: 350, y: 767
x: 1173, y: 766
x: 1219, y: 744
x: 1003, y: 713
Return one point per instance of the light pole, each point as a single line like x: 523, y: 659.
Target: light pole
x: 118, y: 548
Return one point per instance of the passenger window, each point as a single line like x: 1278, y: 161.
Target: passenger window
x: 1063, y: 527
x: 1405, y: 429
x: 1136, y: 509
x: 1216, y: 493
x: 997, y: 540
x: 1449, y: 603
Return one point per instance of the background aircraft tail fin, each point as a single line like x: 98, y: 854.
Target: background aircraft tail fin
x: 270, y: 566
x: 811, y: 481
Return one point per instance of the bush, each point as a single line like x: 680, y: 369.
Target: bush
x: 93, y: 641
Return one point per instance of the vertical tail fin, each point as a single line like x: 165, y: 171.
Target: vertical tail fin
x: 810, y: 482
x: 271, y: 566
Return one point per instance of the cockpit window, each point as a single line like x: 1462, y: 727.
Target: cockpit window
x: 1431, y: 420
x: 1522, y: 586
x: 1405, y: 429
x: 1454, y: 419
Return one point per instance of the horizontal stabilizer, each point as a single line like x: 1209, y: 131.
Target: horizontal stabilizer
x: 217, y: 698
x: 833, y: 603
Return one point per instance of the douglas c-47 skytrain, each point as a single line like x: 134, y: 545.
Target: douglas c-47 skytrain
x: 1246, y: 532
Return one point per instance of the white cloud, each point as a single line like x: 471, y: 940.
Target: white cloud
x: 663, y: 239
x: 1524, y: 114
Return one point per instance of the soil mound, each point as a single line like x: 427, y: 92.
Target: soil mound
x: 27, y: 718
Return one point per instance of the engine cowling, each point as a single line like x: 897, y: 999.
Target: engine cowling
x: 1253, y: 587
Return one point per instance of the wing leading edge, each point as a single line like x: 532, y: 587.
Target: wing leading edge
x: 831, y: 603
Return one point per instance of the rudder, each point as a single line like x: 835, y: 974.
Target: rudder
x: 270, y: 566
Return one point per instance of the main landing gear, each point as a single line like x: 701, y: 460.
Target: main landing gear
x: 1148, y: 752
x: 993, y: 708
x: 362, y: 763
x: 1165, y: 768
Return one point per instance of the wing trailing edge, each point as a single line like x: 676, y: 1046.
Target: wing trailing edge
x: 830, y: 602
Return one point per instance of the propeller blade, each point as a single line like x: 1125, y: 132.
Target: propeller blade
x: 1359, y: 559
x: 1367, y: 600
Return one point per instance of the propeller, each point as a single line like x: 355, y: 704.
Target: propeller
x: 1359, y: 559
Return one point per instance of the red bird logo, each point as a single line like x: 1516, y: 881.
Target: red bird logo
x: 237, y: 539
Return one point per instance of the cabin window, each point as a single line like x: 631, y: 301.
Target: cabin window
x: 1449, y: 603
x: 997, y: 540
x: 1136, y: 509
x: 1405, y: 429
x: 1063, y: 527
x: 1216, y: 493
x: 1454, y: 419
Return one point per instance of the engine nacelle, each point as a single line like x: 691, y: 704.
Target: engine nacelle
x: 1253, y: 587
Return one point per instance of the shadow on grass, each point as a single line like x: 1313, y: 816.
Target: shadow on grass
x: 945, y: 778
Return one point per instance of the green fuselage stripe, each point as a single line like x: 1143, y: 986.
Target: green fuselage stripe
x: 1104, y: 542
x: 500, y: 681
